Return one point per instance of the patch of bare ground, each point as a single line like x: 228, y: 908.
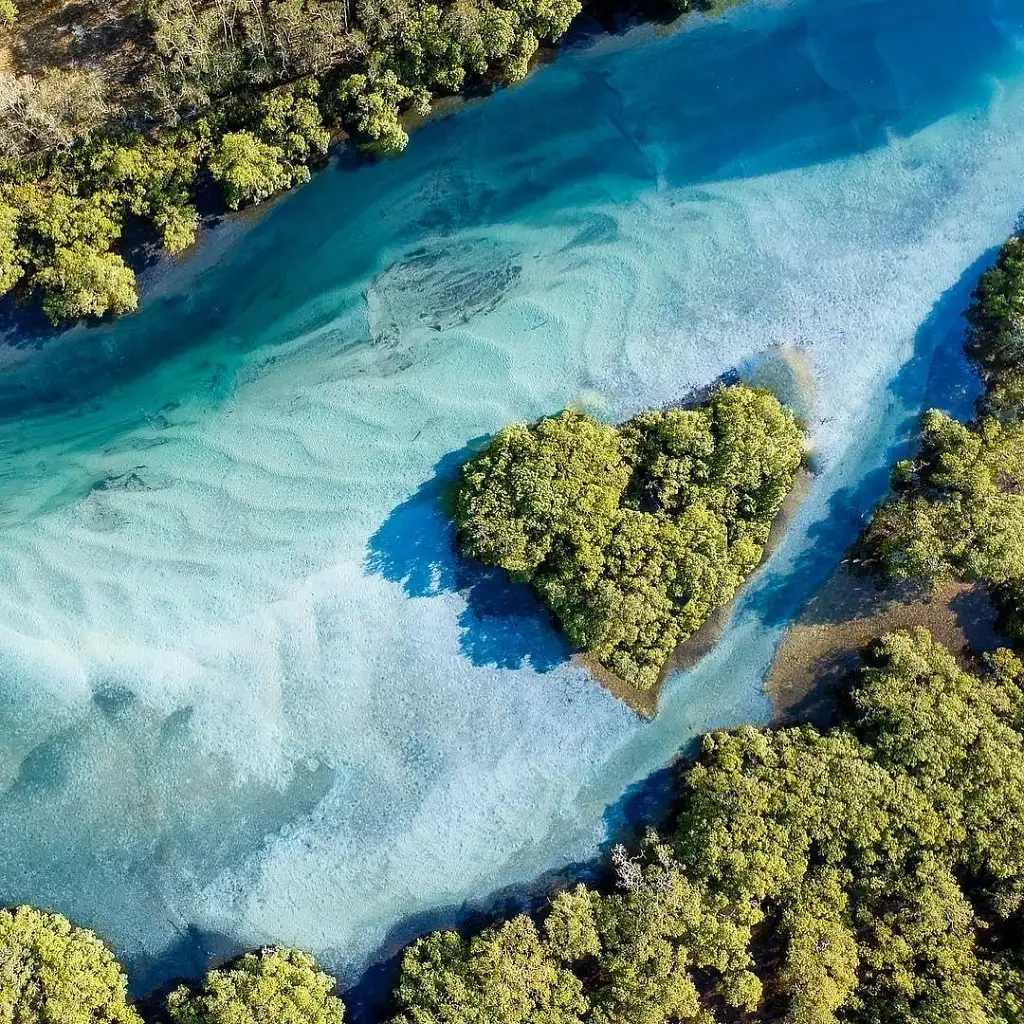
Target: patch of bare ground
x: 823, y: 646
x: 107, y: 36
x: 643, y: 703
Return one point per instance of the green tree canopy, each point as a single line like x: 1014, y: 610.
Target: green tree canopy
x: 995, y: 337
x: 854, y: 845
x: 957, y: 511
x: 248, y: 169
x: 54, y: 973
x: 272, y: 986
x: 86, y: 282
x: 504, y: 975
x: 872, y: 873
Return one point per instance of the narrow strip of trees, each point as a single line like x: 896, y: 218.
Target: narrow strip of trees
x: 248, y: 92
x: 957, y: 510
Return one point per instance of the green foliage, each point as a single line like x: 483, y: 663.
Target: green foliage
x: 996, y: 330
x: 504, y: 975
x: 12, y: 258
x: 273, y: 986
x: 247, y: 169
x: 291, y: 120
x: 1005, y: 991
x: 538, y: 489
x: 61, y: 218
x: 372, y: 101
x: 54, y: 973
x: 416, y: 52
x: 61, y: 242
x: 153, y: 181
x: 860, y: 837
x: 211, y: 49
x: 959, y: 513
x: 958, y: 509
x: 571, y: 926
x: 655, y: 931
x: 248, y: 89
x: 60, y: 222
x: 83, y: 282
x: 396, y: 58
x: 633, y: 536
x: 820, y: 967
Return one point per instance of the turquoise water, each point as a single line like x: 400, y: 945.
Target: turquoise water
x: 246, y: 691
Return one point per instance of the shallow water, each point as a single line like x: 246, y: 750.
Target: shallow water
x: 246, y: 691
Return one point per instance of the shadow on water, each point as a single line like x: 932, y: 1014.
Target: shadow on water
x: 937, y: 375
x: 367, y: 1002
x: 184, y: 962
x: 503, y: 624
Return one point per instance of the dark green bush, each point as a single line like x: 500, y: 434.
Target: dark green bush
x: 995, y: 337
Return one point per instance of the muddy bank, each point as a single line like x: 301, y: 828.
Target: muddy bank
x: 822, y: 647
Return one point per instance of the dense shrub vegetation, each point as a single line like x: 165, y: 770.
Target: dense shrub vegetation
x: 871, y: 873
x: 958, y: 506
x: 54, y: 973
x: 247, y: 92
x: 273, y: 986
x: 633, y: 535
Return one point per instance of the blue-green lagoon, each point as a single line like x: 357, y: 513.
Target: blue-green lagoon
x: 247, y: 693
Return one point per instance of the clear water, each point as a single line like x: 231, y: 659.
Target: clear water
x: 246, y: 692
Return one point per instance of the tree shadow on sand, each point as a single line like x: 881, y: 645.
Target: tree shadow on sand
x: 503, y: 624
x: 184, y: 961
